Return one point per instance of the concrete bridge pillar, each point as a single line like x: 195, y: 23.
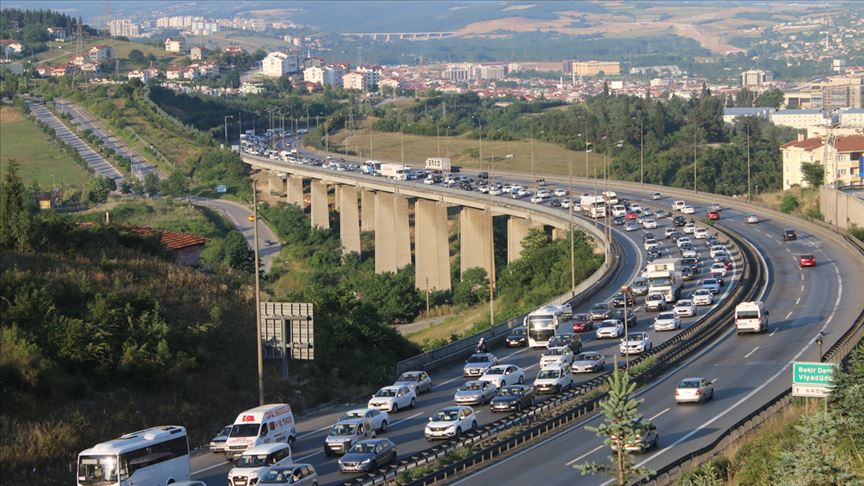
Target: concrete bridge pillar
x: 517, y: 230
x: 475, y: 231
x: 367, y: 211
x: 392, y: 233
x: 294, y: 191
x: 349, y: 219
x: 559, y: 233
x: 337, y: 199
x: 320, y: 206
x: 432, y: 246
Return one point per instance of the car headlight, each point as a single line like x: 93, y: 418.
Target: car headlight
x: 366, y: 461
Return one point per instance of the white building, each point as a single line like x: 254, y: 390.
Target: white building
x: 328, y: 75
x: 252, y: 88
x: 278, y: 64
x: 853, y: 117
x: 175, y: 45
x: 143, y: 75
x: 755, y: 78
x: 491, y: 72
x: 123, y: 28
x: 353, y: 80
x: 455, y: 73
x: 799, y: 119
x: 840, y: 155
x: 730, y: 114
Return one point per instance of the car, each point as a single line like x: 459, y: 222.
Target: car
x: 714, y: 207
x: 689, y: 228
x: 582, y: 323
x: 393, y: 398
x: 504, y: 374
x: 512, y: 398
x: 639, y: 287
x: 716, y: 250
x: 679, y: 221
x: 255, y: 461
x: 662, y: 213
x: 789, y: 235
x: 636, y: 208
x: 689, y: 252
x: 556, y: 355
x: 251, y: 217
x: 683, y: 240
x: 478, y: 363
x: 667, y: 321
x: 368, y: 455
x: 656, y: 196
x: 687, y: 274
x: 483, y: 175
x: 619, y: 210
x: 474, y: 392
x: 217, y: 443
x: 554, y: 379
x: 418, y: 380
x: 610, y: 328
x: 688, y: 210
x: 712, y: 215
x: 541, y: 182
x: 691, y: 263
x: 629, y: 317
x: 645, y: 440
x: 702, y: 297
x: 189, y: 483
x: 718, y: 269
x: 807, y: 260
x: 725, y: 260
x: 621, y: 299
x: 711, y: 284
x: 618, y: 221
x: 450, y: 422
x: 752, y: 219
x: 377, y: 418
x: 589, y: 362
x: 655, y: 302
x: 560, y: 192
x: 700, y: 233
x: 636, y: 343
x: 684, y: 308
x: 346, y: 433
x: 649, y: 224
x: 293, y: 474
x: 668, y: 232
x: 517, y: 338
x: 631, y: 216
x: 599, y: 311
x: 694, y: 390
x: 631, y: 226
x: 569, y: 340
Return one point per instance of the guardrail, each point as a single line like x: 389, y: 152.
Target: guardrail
x: 666, y: 355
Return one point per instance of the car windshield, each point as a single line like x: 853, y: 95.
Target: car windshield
x: 352, y: 414
x: 702, y: 292
x: 807, y: 257
x: 343, y: 429
x: 259, y: 460
x: 474, y: 385
x: 409, y: 377
x: 97, y: 470
x: 683, y: 303
x: 710, y: 281
x: 638, y: 336
x: 665, y: 316
x: 588, y: 356
x: 277, y: 477
x: 362, y: 448
x: 547, y: 374
x: 495, y: 371
x: 580, y: 317
x: 519, y: 331
x: 446, y: 416
x: 600, y: 307
x: 244, y: 430
x: 511, y: 391
x: 386, y: 392
x: 478, y: 359
x: 689, y: 384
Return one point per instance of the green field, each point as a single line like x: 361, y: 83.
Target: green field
x: 40, y: 160
x: 60, y: 53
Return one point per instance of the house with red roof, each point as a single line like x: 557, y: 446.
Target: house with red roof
x: 841, y: 156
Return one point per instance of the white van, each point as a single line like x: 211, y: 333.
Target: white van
x: 272, y: 423
x: 611, y: 197
x: 255, y: 462
x: 678, y: 205
x: 751, y: 317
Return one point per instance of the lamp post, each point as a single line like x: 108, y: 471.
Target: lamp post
x: 626, y: 290
x: 748, y: 161
x: 641, y: 151
x: 572, y: 242
x: 226, y: 128
x: 819, y: 342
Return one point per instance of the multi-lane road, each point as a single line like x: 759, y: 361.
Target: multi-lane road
x: 741, y: 365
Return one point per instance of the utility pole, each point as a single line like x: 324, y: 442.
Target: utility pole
x: 491, y: 251
x: 641, y: 151
x: 748, y: 162
x: 257, y: 295
x: 572, y: 242
x: 480, y: 127
x: 532, y: 156
x: 694, y: 157
x: 226, y: 129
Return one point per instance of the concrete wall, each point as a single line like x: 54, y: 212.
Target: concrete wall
x: 841, y: 209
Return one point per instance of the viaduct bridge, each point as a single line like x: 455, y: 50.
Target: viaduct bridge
x: 400, y: 35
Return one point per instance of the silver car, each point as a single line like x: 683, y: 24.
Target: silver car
x: 419, y: 380
x: 478, y: 363
x: 589, y: 362
x: 475, y: 392
x: 295, y: 474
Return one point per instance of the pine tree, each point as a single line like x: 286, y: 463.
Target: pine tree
x: 816, y: 461
x: 623, y: 425
x: 14, y: 215
x: 845, y: 403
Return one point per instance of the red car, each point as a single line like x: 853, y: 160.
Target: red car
x: 807, y: 261
x: 582, y: 323
x: 713, y: 215
x: 629, y: 216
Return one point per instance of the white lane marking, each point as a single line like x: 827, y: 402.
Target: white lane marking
x: 788, y: 250
x: 659, y: 414
x: 515, y: 353
x: 313, y: 432
x: 802, y: 278
x: 802, y: 287
x: 751, y: 352
x: 788, y: 315
x: 773, y: 332
x: 307, y: 456
x: 583, y: 456
x: 798, y: 300
x: 404, y: 419
x: 451, y: 380
x: 214, y: 466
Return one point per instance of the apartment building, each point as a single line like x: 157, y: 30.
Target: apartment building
x: 329, y: 75
x: 455, y: 73
x: 123, y: 28
x: 852, y: 117
x: 755, y: 78
x: 731, y: 114
x: 278, y: 64
x: 799, y: 119
x: 177, y: 44
x: 842, y: 156
x: 843, y: 92
x: 592, y: 68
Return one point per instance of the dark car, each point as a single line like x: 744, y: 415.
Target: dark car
x: 572, y: 341
x: 517, y: 338
x: 691, y: 263
x: 639, y: 286
x: 483, y: 175
x: 582, y: 323
x: 621, y: 299
x: 618, y: 220
x: 513, y: 397
x: 620, y: 314
x: 688, y: 273
x: 679, y: 221
x: 789, y: 234
x: 368, y: 455
x: 599, y: 311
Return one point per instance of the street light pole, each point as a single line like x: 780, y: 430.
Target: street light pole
x: 641, y: 151
x: 532, y: 155
x: 572, y: 242
x: 226, y: 128
x: 694, y: 158
x: 626, y: 290
x: 257, y: 295
x: 748, y: 163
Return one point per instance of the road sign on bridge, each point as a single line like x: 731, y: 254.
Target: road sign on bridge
x: 287, y: 331
x: 812, y: 379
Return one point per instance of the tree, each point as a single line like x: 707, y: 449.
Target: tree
x: 14, y: 218
x: 814, y: 174
x: 99, y: 189
x: 151, y: 183
x: 473, y: 288
x: 847, y: 397
x: 816, y: 459
x: 789, y: 203
x: 622, y: 426
x: 745, y: 98
x: 137, y: 57
x: 772, y: 98
x: 176, y: 184
x: 238, y: 255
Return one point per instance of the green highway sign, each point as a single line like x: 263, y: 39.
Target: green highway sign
x: 812, y: 379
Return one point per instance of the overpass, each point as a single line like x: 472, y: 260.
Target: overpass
x: 367, y: 203
x: 400, y: 35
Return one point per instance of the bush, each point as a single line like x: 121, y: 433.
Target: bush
x: 789, y: 203
x: 857, y: 232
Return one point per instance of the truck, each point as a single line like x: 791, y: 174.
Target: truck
x: 440, y: 165
x: 398, y: 172
x: 751, y: 317
x: 370, y: 167
x: 611, y: 197
x: 664, y: 277
x: 593, y: 206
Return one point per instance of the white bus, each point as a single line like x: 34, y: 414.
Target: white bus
x: 543, y: 323
x: 157, y: 456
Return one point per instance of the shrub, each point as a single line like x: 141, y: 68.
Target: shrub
x: 789, y: 203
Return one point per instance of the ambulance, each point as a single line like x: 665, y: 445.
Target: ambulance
x: 267, y: 424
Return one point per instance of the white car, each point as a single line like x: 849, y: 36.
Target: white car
x: 619, y: 210
x: 689, y: 228
x: 377, y: 418
x: 694, y: 390
x: 393, y: 398
x: 636, y: 343
x: 610, y: 328
x: 256, y: 461
x: 690, y: 253
x: 714, y: 207
x: 684, y: 308
x: 711, y: 284
x: 478, y: 363
x: 718, y: 269
x: 649, y: 224
x: 560, y: 192
x: 636, y: 208
x: 700, y: 233
x: 650, y: 243
x: 716, y: 249
x: 682, y: 240
x: 554, y: 379
x: 702, y: 297
x: 450, y: 422
x: 656, y: 196
x: 678, y: 205
x: 688, y: 210
x: 655, y: 302
x: 505, y: 374
x: 666, y: 321
x: 537, y: 199
x: 556, y: 356
x: 752, y: 219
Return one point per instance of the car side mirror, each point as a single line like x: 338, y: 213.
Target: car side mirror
x: 767, y: 313
x: 430, y: 419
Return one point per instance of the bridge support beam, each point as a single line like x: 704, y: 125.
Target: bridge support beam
x: 517, y: 230
x: 559, y: 233
x: 320, y: 206
x: 337, y: 198
x: 349, y: 219
x: 475, y: 231
x: 432, y: 246
x: 294, y: 191
x: 367, y: 211
x: 392, y: 233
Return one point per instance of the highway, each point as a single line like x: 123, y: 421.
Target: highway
x: 406, y: 427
